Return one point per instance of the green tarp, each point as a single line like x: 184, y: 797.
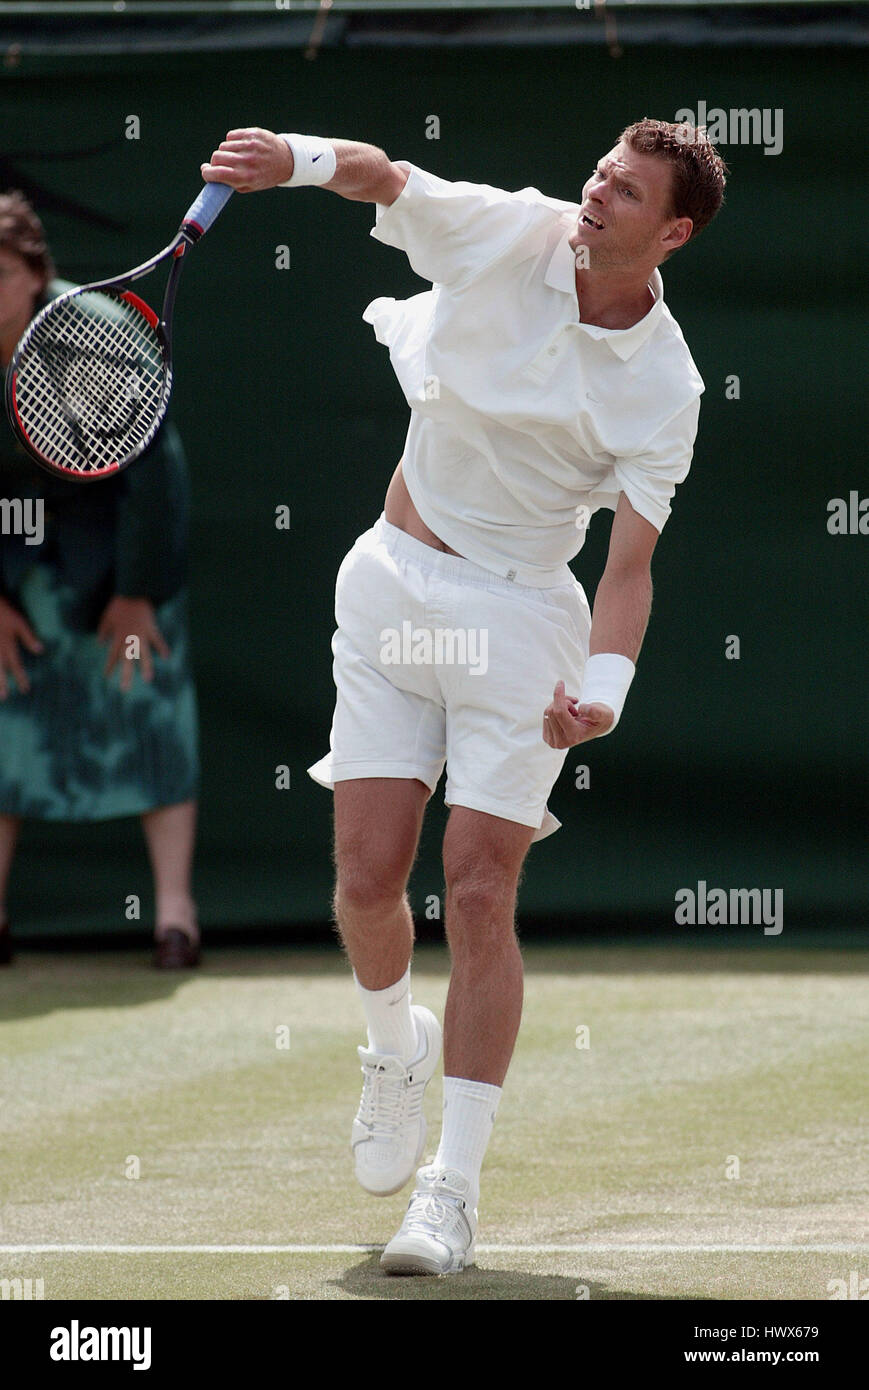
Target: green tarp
x: 737, y: 773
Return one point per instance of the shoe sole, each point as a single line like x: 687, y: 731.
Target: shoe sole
x: 423, y: 1264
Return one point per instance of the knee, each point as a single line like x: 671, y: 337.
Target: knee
x: 480, y: 909
x: 476, y: 894
x: 364, y: 888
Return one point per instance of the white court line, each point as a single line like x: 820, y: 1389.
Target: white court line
x: 591, y: 1249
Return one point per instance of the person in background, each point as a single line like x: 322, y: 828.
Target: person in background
x: 88, y: 730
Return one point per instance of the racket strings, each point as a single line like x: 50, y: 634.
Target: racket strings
x: 91, y: 383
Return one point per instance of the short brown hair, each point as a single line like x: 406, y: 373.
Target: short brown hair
x: 697, y: 184
x: 22, y: 232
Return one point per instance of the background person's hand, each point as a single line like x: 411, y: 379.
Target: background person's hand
x: 250, y: 160
x: 15, y: 628
x: 125, y: 618
x: 566, y: 723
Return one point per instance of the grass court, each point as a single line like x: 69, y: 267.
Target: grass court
x: 187, y: 1137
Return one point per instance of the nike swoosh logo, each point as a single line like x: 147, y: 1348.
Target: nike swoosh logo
x: 393, y: 1002
x: 315, y: 157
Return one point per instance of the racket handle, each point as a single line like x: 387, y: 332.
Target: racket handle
x: 200, y: 215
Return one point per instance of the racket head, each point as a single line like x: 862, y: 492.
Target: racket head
x: 89, y: 383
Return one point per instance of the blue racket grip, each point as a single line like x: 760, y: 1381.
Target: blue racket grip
x: 211, y: 201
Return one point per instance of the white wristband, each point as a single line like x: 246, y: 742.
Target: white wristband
x: 314, y: 160
x: 606, y: 681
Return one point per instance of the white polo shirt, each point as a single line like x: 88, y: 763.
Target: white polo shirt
x: 520, y: 413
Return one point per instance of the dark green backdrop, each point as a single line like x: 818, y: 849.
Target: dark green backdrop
x: 748, y: 773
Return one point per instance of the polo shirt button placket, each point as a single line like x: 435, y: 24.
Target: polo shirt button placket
x: 539, y: 369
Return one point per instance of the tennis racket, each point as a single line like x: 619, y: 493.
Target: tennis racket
x: 89, y: 383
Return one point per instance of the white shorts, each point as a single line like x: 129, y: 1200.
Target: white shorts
x: 439, y: 661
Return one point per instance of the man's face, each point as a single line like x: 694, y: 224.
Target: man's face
x: 629, y: 194
x: 19, y: 287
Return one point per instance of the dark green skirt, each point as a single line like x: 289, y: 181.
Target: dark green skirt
x: 77, y: 747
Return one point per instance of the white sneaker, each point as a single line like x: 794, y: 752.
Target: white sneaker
x: 389, y: 1131
x: 439, y: 1231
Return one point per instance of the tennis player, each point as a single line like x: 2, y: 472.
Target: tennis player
x: 546, y: 379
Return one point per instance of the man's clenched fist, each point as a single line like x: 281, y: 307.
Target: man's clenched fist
x: 250, y: 160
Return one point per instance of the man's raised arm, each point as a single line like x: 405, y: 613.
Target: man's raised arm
x: 252, y: 159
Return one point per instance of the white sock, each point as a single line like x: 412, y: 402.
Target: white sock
x: 469, y: 1114
x: 391, y: 1025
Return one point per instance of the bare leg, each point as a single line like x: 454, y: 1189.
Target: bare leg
x: 170, y: 834
x: 9, y: 827
x: 483, y: 858
x: 377, y: 826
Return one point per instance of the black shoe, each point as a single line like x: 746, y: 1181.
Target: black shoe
x: 5, y: 946
x: 174, y: 950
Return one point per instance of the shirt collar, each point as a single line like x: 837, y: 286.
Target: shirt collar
x: 561, y: 275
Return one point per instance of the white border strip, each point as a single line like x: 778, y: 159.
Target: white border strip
x: 591, y: 1249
